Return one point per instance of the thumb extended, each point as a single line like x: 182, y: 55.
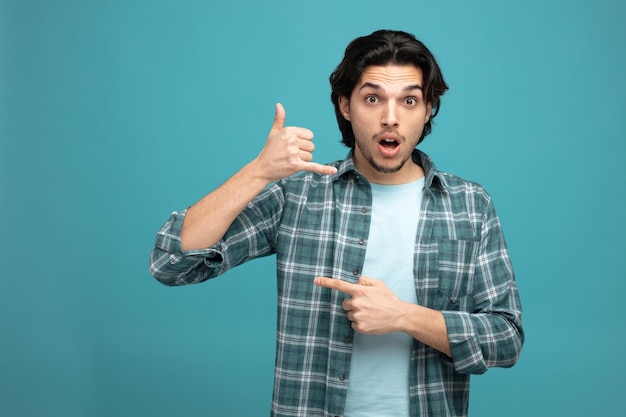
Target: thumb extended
x: 279, y: 118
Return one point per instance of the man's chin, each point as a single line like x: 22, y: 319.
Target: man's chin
x: 390, y: 167
x: 387, y: 170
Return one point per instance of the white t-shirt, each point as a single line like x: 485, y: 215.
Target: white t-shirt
x: 379, y: 371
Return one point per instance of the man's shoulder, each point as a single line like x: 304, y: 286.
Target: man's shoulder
x: 445, y: 181
x: 456, y: 182
x: 459, y: 188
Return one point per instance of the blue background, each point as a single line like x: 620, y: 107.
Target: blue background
x: 114, y: 113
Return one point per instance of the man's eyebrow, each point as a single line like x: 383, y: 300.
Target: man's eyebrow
x: 412, y: 87
x: 378, y: 87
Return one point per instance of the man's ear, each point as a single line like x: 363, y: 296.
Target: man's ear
x: 429, y: 111
x: 344, y: 107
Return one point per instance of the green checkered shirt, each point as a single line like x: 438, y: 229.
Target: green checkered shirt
x: 318, y: 226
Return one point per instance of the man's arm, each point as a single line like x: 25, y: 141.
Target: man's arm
x: 184, y: 250
x: 492, y: 334
x: 374, y: 309
x: 288, y: 150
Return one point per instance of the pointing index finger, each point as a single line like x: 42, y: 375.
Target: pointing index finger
x: 336, y: 284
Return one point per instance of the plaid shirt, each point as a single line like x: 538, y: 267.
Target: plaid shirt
x: 318, y: 226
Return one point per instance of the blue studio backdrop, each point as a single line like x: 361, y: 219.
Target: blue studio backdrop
x: 114, y: 113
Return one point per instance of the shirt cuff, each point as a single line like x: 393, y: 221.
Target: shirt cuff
x: 168, y: 239
x: 467, y: 354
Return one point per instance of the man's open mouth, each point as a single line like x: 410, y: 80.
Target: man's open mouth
x: 389, y: 144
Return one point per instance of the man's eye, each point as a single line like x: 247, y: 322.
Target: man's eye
x: 410, y: 101
x: 371, y: 99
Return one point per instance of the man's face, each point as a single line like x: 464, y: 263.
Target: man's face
x: 388, y: 113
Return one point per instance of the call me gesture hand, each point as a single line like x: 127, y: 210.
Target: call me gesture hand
x: 287, y: 151
x: 374, y: 309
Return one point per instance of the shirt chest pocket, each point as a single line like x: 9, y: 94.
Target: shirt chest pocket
x: 456, y: 266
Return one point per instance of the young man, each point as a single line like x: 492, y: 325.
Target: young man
x: 394, y: 280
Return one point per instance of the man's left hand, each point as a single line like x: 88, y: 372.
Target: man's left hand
x: 372, y: 307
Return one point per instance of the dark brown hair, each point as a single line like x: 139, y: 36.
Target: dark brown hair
x: 385, y: 47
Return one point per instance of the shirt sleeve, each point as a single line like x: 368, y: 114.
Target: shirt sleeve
x: 492, y: 334
x: 251, y: 235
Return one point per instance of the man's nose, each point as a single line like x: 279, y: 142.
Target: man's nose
x: 390, y: 115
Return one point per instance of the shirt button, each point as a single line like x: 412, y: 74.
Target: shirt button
x: 355, y: 272
x: 364, y: 209
x: 361, y: 241
x: 346, y: 340
x: 342, y: 377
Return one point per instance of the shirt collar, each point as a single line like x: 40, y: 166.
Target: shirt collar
x: 346, y: 167
x: 432, y: 179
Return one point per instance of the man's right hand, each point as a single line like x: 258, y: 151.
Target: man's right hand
x: 288, y: 150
